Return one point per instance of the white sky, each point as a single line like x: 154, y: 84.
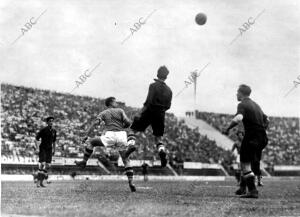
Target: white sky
x: 73, y: 36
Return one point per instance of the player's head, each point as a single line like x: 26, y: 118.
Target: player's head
x: 243, y: 91
x: 111, y: 102
x: 49, y: 121
x: 162, y: 73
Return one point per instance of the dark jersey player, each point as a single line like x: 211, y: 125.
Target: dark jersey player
x: 46, y: 150
x: 255, y: 123
x: 153, y: 113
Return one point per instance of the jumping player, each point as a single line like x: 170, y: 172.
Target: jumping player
x: 46, y: 150
x: 255, y: 122
x: 153, y: 113
x: 115, y: 121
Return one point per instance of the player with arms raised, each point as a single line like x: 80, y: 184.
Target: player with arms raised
x: 115, y: 121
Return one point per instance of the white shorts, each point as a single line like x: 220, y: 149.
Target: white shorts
x: 114, y: 139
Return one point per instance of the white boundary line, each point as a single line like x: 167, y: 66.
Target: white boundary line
x: 114, y: 178
x: 4, y: 177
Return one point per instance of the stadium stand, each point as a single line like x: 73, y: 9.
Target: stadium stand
x: 24, y: 109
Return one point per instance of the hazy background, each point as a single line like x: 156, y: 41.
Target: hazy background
x: 73, y: 36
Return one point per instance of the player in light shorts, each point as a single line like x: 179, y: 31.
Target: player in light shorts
x: 115, y: 122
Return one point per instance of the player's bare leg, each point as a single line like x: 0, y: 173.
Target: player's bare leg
x: 161, y: 151
x: 88, y: 152
x: 249, y: 180
x: 131, y: 144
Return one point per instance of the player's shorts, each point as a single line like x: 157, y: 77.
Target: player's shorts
x: 45, y: 155
x: 153, y: 118
x: 112, y: 139
x: 252, y: 146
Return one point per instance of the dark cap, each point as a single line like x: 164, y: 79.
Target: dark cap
x: 162, y: 72
x: 244, y: 89
x: 49, y: 118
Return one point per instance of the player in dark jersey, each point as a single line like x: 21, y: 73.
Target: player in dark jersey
x: 153, y: 113
x: 255, y: 123
x: 46, y: 150
x: 115, y: 121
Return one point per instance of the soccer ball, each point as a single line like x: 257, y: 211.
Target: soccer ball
x: 200, y: 19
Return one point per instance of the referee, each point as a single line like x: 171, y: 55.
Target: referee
x: 46, y: 150
x: 255, y: 123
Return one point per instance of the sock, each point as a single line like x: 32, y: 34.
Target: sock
x: 160, y: 147
x: 250, y: 180
x: 243, y: 182
x: 87, y: 154
x: 45, y: 172
x: 259, y: 177
x: 131, y: 139
x: 41, y: 175
x: 129, y: 174
x: 126, y: 160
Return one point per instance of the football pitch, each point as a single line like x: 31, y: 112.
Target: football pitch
x: 153, y: 198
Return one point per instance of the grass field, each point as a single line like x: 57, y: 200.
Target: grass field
x: 154, y: 198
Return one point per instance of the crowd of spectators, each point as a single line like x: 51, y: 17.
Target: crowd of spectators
x: 283, y: 134
x: 24, y: 110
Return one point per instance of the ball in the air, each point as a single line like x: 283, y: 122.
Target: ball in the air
x: 200, y: 19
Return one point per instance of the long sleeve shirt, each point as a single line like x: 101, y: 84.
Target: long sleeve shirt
x: 159, y: 96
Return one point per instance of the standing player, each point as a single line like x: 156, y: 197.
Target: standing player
x: 115, y: 121
x: 153, y: 113
x: 46, y: 150
x: 255, y: 122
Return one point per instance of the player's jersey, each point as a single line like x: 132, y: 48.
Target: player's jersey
x: 253, y: 116
x: 48, y: 136
x: 115, y: 119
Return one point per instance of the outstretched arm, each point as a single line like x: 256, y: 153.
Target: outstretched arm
x: 126, y: 120
x: 235, y: 121
x: 237, y: 118
x: 149, y: 97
